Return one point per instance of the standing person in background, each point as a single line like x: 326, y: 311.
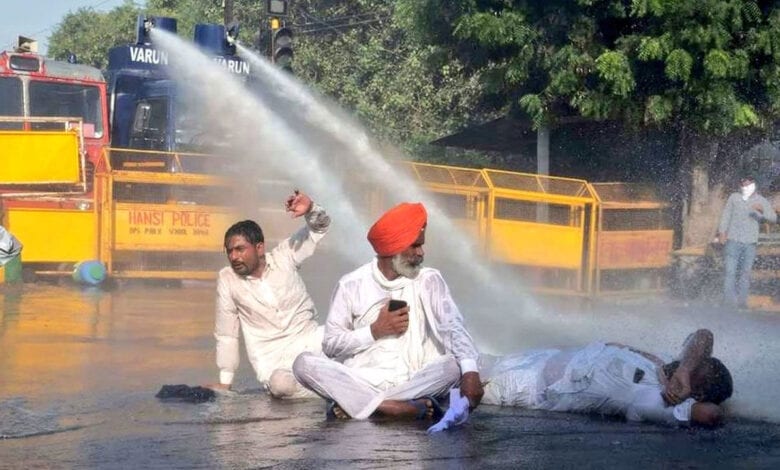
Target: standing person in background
x: 262, y: 295
x: 738, y: 230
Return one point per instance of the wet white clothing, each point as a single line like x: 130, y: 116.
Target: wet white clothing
x: 10, y: 247
x: 275, y: 312
x: 354, y: 390
x: 435, y: 324
x: 415, y: 362
x: 598, y: 378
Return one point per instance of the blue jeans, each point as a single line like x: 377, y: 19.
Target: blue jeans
x: 738, y: 258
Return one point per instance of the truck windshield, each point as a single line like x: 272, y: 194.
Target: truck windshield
x: 202, y: 128
x: 67, y: 100
x: 10, y: 101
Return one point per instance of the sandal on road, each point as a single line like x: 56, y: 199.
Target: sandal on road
x: 423, y: 409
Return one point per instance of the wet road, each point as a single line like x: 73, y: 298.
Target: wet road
x: 79, y: 370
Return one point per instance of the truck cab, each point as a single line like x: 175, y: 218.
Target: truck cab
x: 148, y: 109
x: 39, y: 95
x: 53, y: 131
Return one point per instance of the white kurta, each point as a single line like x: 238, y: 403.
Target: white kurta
x: 598, y: 378
x: 435, y: 324
x: 362, y: 372
x: 275, y: 312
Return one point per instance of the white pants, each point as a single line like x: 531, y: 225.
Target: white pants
x: 357, y: 396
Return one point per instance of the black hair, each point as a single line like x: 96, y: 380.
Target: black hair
x: 718, y: 384
x: 247, y: 229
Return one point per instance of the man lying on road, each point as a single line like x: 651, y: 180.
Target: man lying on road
x: 614, y: 379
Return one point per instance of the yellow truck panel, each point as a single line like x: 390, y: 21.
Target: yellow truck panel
x: 40, y: 157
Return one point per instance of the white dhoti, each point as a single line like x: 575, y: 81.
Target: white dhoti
x: 358, y: 396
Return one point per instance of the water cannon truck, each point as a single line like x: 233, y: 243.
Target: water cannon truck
x: 95, y: 168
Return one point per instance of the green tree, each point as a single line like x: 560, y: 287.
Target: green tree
x: 89, y: 34
x: 705, y: 68
x: 406, y: 93
x: 354, y: 51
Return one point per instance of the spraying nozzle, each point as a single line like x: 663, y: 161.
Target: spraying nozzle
x: 231, y: 38
x: 145, y: 25
x: 231, y: 35
x: 217, y: 39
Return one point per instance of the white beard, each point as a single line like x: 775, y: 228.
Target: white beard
x: 405, y: 269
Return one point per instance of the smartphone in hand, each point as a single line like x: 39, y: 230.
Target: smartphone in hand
x: 396, y: 305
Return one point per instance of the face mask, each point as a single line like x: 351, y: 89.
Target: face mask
x: 748, y: 191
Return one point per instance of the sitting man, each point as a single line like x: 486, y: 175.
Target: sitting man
x: 263, y: 295
x: 613, y: 379
x: 392, y: 361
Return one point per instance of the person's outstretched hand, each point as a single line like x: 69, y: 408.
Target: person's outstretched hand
x: 298, y: 204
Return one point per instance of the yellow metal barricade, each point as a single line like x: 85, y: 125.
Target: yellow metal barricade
x: 462, y: 193
x: 635, y: 238
x: 544, y: 227
x: 157, y: 222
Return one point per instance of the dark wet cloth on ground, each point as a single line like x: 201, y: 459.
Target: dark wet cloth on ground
x: 185, y: 393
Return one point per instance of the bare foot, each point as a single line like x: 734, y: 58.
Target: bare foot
x: 406, y: 409
x: 339, y: 413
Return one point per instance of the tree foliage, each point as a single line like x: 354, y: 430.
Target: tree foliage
x: 406, y: 93
x: 354, y: 51
x: 89, y: 34
x: 712, y: 64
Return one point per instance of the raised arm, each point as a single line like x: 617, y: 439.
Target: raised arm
x: 303, y: 242
x: 696, y: 349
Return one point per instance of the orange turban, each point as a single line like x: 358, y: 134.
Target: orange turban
x: 398, y: 228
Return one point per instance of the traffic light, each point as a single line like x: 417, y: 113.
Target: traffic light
x: 277, y: 7
x: 281, y: 48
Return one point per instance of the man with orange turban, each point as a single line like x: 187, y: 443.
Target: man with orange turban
x: 394, y: 338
